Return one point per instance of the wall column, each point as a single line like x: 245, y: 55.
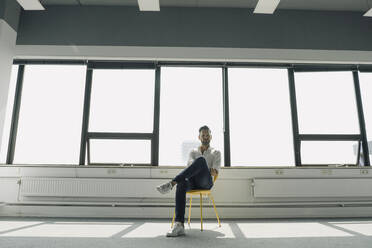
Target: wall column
x: 9, y: 15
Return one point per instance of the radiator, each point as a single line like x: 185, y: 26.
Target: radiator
x: 307, y: 187
x: 88, y: 187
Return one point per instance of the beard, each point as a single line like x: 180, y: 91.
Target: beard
x: 205, y: 143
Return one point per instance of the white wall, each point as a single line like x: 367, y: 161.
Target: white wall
x: 75, y: 191
x: 7, y: 46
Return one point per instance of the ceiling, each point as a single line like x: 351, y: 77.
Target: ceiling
x: 325, y: 5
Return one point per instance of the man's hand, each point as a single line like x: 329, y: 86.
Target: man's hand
x: 214, y: 172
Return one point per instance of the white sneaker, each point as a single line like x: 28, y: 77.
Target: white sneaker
x: 165, y: 188
x: 177, y: 230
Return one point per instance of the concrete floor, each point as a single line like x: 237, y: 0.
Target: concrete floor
x: 110, y: 233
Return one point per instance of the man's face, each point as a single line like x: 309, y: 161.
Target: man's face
x: 205, y: 137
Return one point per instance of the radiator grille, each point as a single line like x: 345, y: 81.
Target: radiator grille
x: 264, y: 187
x: 78, y: 187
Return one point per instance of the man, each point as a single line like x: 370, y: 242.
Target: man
x: 204, y: 162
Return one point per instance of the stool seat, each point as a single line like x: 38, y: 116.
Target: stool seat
x: 199, y: 191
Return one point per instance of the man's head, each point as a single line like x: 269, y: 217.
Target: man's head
x: 205, y: 135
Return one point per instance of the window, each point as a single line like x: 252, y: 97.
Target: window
x: 121, y: 115
x: 190, y: 98
x: 120, y: 151
x: 8, y: 114
x: 122, y: 101
x: 326, y: 103
x: 51, y: 111
x: 260, y: 117
x: 366, y: 92
x: 328, y: 152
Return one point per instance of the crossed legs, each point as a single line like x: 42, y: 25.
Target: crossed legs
x: 195, y: 176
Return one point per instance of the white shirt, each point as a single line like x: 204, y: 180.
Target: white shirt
x: 211, y: 155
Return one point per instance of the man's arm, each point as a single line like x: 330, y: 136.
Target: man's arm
x: 216, y: 163
x: 191, y: 158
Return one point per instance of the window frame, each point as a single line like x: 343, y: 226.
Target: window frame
x: 367, y: 148
x: 87, y: 136
x: 154, y: 136
x: 298, y: 138
x: 18, y: 98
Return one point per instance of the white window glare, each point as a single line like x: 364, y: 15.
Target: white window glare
x: 50, y: 119
x: 190, y: 98
x: 8, y: 114
x: 328, y: 152
x: 120, y: 151
x: 260, y: 117
x: 122, y: 101
x: 326, y: 103
x: 366, y: 92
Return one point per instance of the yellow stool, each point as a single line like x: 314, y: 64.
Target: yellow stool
x: 200, y: 192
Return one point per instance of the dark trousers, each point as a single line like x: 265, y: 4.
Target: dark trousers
x: 196, y: 176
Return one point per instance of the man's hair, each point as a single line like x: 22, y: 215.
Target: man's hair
x: 204, y: 128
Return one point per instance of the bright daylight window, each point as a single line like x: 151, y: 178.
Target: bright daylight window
x: 50, y: 119
x: 190, y: 98
x: 122, y: 101
x: 120, y: 151
x: 326, y: 103
x: 366, y: 92
x: 8, y: 114
x: 260, y: 117
x: 328, y: 152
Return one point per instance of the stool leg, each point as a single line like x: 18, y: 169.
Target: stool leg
x: 201, y: 212
x: 190, y: 210
x: 174, y: 216
x: 215, y: 210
